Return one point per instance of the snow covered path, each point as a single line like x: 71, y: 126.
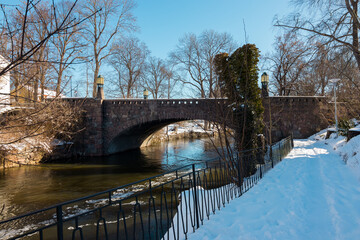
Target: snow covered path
x: 311, y: 194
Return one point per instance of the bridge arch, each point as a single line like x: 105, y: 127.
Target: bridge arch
x: 135, y: 136
x: 128, y: 123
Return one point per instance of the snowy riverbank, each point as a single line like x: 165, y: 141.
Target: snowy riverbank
x: 311, y: 194
x: 180, y: 130
x: 27, y: 151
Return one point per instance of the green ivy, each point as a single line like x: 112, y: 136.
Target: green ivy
x: 238, y: 77
x: 344, y: 126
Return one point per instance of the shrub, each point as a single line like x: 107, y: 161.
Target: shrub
x: 344, y: 126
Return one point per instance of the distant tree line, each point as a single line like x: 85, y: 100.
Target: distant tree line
x: 319, y: 41
x: 46, y: 43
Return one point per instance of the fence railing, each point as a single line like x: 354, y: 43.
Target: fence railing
x: 167, y: 206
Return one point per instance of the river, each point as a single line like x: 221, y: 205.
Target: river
x: 29, y: 188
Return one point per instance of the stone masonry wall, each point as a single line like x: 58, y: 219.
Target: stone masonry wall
x: 300, y: 116
x: 135, y: 120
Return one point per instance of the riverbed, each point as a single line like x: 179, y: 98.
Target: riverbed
x: 29, y: 188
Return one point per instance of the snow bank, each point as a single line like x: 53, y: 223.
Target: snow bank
x: 186, y: 127
x: 28, y: 151
x: 181, y: 130
x: 311, y: 194
x: 350, y: 152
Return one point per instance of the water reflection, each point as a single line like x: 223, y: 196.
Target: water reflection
x: 29, y: 188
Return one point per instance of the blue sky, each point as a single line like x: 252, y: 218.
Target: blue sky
x: 163, y: 22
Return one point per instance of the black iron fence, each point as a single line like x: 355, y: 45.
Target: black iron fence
x: 167, y: 206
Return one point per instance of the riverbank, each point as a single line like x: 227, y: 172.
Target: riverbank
x: 29, y: 151
x: 181, y: 130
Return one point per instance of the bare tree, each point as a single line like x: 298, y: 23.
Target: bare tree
x: 332, y: 22
x: 345, y: 68
x: 304, y: 69
x: 195, y: 57
x: 111, y: 18
x: 49, y: 120
x: 18, y: 48
x: 173, y: 78
x: 318, y: 70
x: 159, y: 78
x: 288, y: 63
x: 212, y: 44
x: 68, y: 46
x: 128, y: 60
x: 31, y: 73
x: 27, y: 32
x: 40, y: 21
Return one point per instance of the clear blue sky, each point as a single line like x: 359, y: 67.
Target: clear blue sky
x: 163, y: 22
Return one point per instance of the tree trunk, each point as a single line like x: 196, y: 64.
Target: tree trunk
x: 42, y: 83
x: 36, y: 87
x: 355, y: 30
x: 96, y: 72
x: 58, y: 83
x: 59, y: 78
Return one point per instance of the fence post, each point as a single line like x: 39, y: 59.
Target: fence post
x: 260, y: 171
x: 239, y: 175
x: 59, y: 219
x: 271, y: 157
x: 195, y: 198
x: 292, y: 140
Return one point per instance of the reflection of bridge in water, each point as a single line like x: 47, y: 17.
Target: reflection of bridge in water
x: 115, y: 125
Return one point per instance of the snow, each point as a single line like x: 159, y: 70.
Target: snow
x: 187, y: 126
x: 47, y: 93
x: 311, y: 194
x: 350, y: 153
x: 4, y: 87
x: 355, y: 129
x: 6, y: 108
x: 59, y: 142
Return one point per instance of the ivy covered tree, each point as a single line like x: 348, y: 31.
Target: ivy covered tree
x: 238, y: 76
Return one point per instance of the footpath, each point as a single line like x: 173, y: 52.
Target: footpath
x: 311, y: 194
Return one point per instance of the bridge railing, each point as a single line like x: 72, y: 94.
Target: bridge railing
x: 167, y: 206
x: 139, y: 101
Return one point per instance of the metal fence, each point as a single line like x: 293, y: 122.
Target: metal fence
x: 167, y: 206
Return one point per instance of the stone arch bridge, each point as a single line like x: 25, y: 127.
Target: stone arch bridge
x: 115, y: 125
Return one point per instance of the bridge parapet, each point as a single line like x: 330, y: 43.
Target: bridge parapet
x: 159, y: 102
x: 165, y: 101
x: 302, y: 99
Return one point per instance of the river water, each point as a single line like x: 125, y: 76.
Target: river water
x: 29, y: 188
